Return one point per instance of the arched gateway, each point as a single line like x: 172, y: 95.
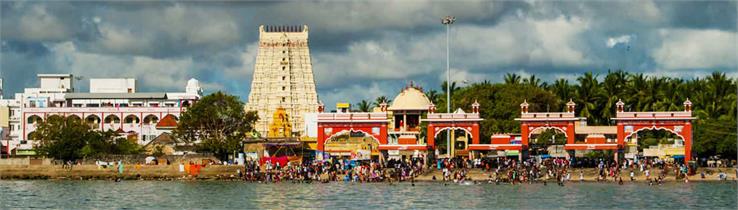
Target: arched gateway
x: 679, y: 123
x: 532, y: 121
x: 468, y: 122
x: 565, y: 122
x: 371, y: 124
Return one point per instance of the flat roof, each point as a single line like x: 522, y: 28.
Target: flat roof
x: 54, y: 75
x: 116, y: 95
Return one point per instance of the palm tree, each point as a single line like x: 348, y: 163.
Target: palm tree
x: 364, y: 106
x: 380, y: 100
x: 453, y: 87
x: 636, y: 92
x: 589, y: 97
x: 532, y: 81
x: 433, y: 96
x: 562, y: 89
x: 613, y: 86
x: 512, y: 79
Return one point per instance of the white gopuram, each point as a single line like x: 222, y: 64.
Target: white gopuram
x: 283, y: 77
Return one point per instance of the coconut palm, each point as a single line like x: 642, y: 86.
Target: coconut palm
x: 364, y: 106
x: 512, y: 79
x: 380, y: 100
x: 589, y: 97
x: 532, y: 81
x: 433, y: 96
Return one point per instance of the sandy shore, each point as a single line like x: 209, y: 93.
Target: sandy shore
x: 219, y: 172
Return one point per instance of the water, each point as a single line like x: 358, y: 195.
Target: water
x: 220, y: 194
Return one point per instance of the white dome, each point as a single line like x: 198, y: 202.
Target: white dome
x: 193, y: 87
x: 410, y: 98
x: 193, y: 83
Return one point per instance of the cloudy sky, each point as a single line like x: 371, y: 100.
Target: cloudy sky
x: 361, y: 50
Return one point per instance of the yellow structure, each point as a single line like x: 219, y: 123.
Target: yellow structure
x: 280, y: 126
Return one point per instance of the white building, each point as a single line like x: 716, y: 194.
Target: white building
x: 111, y: 104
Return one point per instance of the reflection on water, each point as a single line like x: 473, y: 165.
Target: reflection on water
x: 218, y: 194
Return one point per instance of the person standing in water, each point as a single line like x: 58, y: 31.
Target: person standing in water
x: 120, y: 167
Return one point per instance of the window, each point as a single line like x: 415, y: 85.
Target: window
x: 284, y: 88
x: 283, y: 78
x: 284, y: 68
x: 284, y: 99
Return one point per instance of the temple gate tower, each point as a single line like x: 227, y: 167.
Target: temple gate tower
x: 283, y: 77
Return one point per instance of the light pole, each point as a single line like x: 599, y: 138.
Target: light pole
x: 448, y: 20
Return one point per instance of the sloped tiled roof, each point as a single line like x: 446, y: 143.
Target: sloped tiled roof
x: 167, y: 122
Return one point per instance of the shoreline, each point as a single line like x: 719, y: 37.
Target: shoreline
x: 229, y: 173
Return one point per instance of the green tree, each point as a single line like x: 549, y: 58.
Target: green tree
x: 219, y: 122
x: 70, y: 139
x: 381, y: 99
x: 512, y: 79
x: 62, y: 138
x: 364, y: 106
x: 433, y: 96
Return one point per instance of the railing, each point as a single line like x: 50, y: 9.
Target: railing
x: 435, y: 116
x: 105, y: 109
x: 352, y: 116
x: 678, y: 114
x: 542, y: 115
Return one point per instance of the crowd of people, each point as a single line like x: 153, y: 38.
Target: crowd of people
x: 496, y: 170
x: 333, y: 170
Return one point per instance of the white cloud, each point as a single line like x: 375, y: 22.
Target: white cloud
x: 355, y: 93
x: 158, y: 74
x: 692, y: 48
x: 612, y: 41
x: 171, y: 31
x: 246, y: 68
x: 514, y: 41
x: 39, y: 24
x: 367, y: 15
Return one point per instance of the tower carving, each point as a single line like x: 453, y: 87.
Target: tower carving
x: 283, y: 77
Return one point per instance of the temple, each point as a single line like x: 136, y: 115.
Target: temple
x: 282, y: 79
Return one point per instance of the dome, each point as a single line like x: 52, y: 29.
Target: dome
x: 193, y: 83
x: 410, y: 98
x: 193, y: 87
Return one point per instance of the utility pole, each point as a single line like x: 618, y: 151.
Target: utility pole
x: 448, y: 20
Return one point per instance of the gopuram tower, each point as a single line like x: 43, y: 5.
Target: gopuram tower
x: 283, y: 77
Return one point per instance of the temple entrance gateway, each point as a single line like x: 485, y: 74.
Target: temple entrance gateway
x: 462, y: 123
x: 350, y: 129
x: 536, y: 122
x: 678, y: 123
x: 355, y: 145
x: 547, y: 142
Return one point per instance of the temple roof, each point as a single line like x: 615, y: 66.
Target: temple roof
x: 167, y: 122
x: 410, y: 98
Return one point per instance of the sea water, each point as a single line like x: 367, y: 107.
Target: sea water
x: 340, y: 195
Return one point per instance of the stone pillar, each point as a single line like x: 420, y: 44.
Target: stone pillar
x: 475, y: 133
x: 430, y: 134
x: 321, y: 138
x: 621, y: 134
x: 687, y: 134
x: 570, y: 134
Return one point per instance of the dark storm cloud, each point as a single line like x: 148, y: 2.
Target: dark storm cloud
x: 363, y: 49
